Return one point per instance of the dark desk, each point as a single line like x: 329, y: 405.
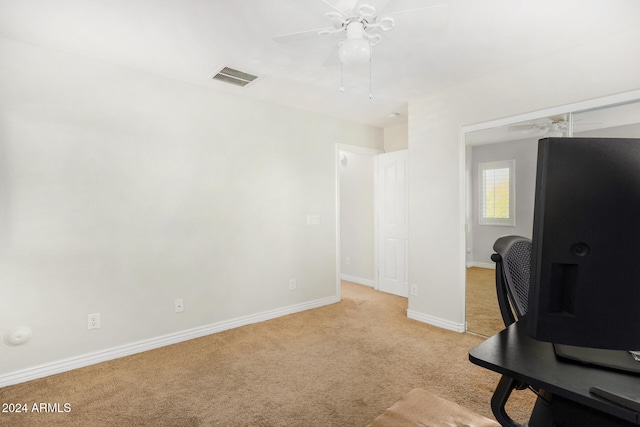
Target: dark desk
x: 514, y: 354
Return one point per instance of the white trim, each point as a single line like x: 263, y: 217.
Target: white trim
x: 462, y: 199
x: 376, y: 225
x: 337, y: 189
x: 356, y: 149
x: 358, y: 280
x: 153, y: 343
x: 435, y: 321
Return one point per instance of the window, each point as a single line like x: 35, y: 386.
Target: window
x: 497, y: 192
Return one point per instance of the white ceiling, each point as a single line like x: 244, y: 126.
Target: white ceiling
x: 190, y: 40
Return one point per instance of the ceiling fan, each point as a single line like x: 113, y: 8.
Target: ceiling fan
x: 359, y: 22
x: 552, y: 126
x: 549, y: 127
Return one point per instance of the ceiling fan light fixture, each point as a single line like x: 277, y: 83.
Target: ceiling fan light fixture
x: 356, y: 49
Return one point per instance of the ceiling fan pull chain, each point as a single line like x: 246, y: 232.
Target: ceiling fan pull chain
x: 341, y: 78
x: 370, y: 80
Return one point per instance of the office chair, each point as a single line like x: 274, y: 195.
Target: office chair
x: 513, y: 268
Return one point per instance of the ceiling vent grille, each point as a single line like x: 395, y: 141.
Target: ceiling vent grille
x: 235, y: 77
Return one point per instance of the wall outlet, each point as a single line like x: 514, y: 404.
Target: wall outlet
x: 414, y: 290
x: 93, y: 321
x: 292, y: 284
x: 313, y: 219
x: 179, y: 306
x: 347, y: 261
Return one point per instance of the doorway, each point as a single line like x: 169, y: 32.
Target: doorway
x: 517, y: 137
x: 372, y: 218
x: 355, y: 216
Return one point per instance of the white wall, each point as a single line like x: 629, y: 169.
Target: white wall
x: 356, y: 218
x: 437, y: 154
x: 121, y: 191
x: 396, y: 138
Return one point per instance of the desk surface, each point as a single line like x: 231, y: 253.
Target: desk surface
x: 514, y: 354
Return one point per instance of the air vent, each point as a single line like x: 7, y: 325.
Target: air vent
x: 235, y: 77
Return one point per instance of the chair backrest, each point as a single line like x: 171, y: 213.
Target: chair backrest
x: 513, y: 269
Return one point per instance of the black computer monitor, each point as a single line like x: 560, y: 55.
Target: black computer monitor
x: 585, y: 272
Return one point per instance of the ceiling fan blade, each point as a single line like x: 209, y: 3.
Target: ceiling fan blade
x: 432, y: 18
x: 332, y: 6
x: 391, y: 49
x: 301, y: 35
x: 333, y: 59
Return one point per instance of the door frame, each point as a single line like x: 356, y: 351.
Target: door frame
x: 367, y: 152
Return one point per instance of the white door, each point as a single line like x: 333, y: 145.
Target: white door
x: 391, y: 199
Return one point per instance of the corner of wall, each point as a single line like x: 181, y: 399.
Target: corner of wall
x: 396, y: 138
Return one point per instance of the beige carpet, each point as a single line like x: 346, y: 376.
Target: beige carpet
x: 340, y: 365
x: 420, y: 408
x: 483, y: 313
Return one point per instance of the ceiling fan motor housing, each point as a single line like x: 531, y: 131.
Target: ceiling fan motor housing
x: 355, y: 30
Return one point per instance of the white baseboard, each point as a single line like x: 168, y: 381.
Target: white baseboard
x: 489, y: 265
x: 435, y: 321
x: 153, y: 343
x: 358, y: 280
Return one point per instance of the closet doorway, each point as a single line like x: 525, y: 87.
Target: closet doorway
x: 516, y: 138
